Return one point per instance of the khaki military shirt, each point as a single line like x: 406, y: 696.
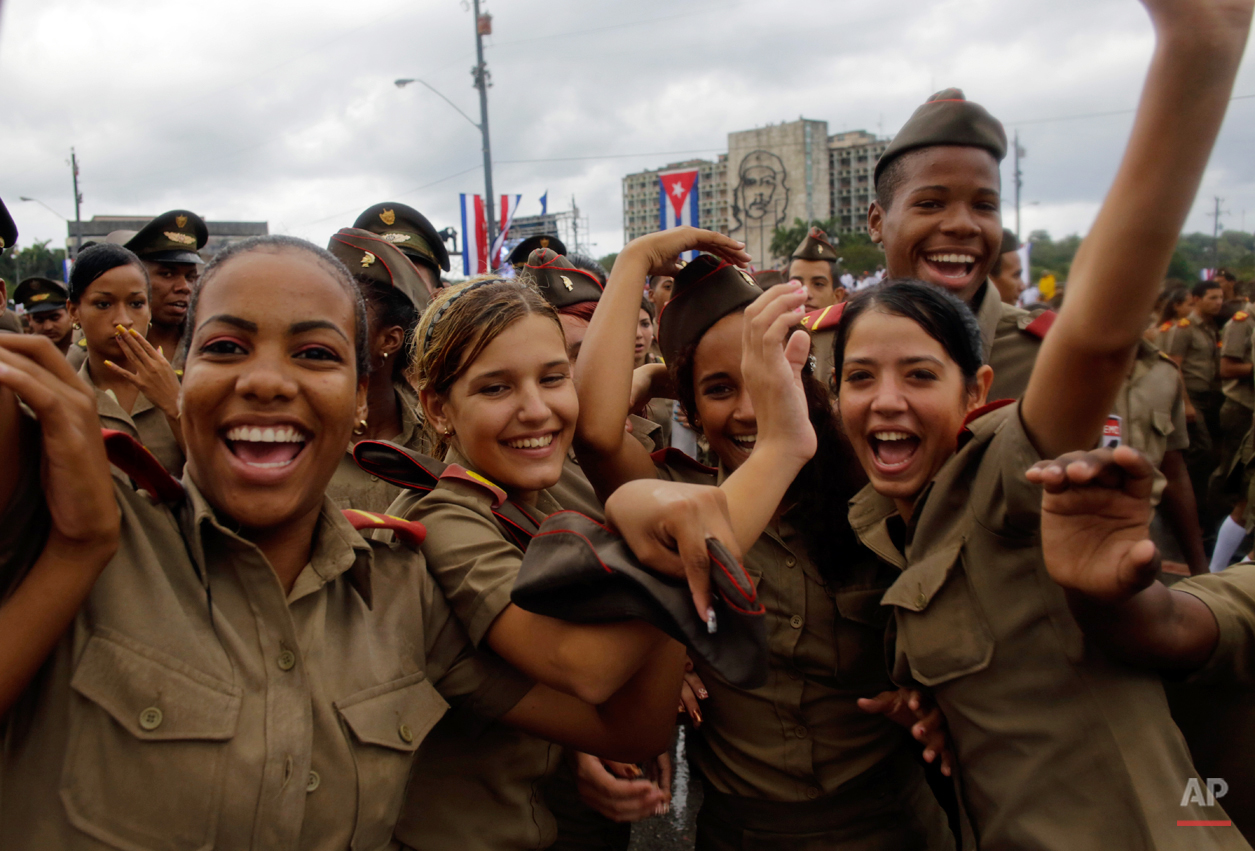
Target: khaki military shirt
x: 1235, y: 343
x: 801, y: 735
x: 77, y: 355
x: 1196, y: 342
x: 1151, y: 410
x: 9, y: 321
x: 146, y: 423
x: 353, y: 487
x: 193, y: 704
x: 575, y: 492
x: 475, y: 787
x: 1230, y: 595
x: 1057, y: 746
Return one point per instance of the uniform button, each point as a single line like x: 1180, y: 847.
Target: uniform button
x: 313, y: 781
x: 800, y: 732
x: 150, y: 718
x: 790, y: 561
x: 287, y: 660
x: 406, y: 734
x: 796, y: 621
x: 812, y: 793
x: 921, y: 600
x: 374, y: 478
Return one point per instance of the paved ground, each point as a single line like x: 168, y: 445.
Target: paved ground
x: 676, y: 830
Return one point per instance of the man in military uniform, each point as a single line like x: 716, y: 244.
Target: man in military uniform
x: 415, y: 237
x: 168, y: 245
x: 1194, y: 344
x: 814, y: 263
x: 1008, y: 272
x: 947, y: 154
x: 1236, y: 414
x: 44, y: 302
x: 518, y: 257
x: 8, y: 236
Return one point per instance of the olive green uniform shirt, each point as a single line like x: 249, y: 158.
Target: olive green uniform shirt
x: 1235, y: 343
x: 475, y: 786
x: 801, y: 735
x: 9, y: 321
x: 146, y: 423
x: 1151, y: 408
x: 1058, y: 747
x: 1230, y: 595
x: 1196, y: 342
x: 193, y: 704
x: 353, y: 487
x: 77, y: 355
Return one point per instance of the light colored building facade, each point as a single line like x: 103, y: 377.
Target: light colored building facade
x: 770, y: 177
x: 221, y: 234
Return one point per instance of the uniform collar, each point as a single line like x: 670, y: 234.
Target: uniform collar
x: 987, y: 305
x: 338, y: 547
x: 107, y: 404
x: 545, y: 503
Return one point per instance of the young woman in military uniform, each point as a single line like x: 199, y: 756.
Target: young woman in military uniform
x: 395, y: 295
x: 136, y: 389
x: 1057, y: 746
x: 798, y: 760
x: 248, y: 670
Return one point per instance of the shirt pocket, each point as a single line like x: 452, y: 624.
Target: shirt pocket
x: 859, y: 634
x: 387, y: 724
x: 941, y: 632
x: 146, y: 755
x: 1162, y: 423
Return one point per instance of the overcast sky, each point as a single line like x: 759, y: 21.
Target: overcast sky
x: 286, y: 111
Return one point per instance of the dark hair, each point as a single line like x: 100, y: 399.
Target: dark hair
x: 95, y: 261
x: 1226, y: 274
x: 588, y: 264
x: 1172, y: 298
x: 895, y: 174
x: 942, y: 316
x: 824, y: 486
x: 276, y: 244
x: 387, y: 306
x: 1202, y: 287
x: 652, y: 281
x: 648, y: 307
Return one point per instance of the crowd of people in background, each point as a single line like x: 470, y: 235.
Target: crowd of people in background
x: 312, y: 547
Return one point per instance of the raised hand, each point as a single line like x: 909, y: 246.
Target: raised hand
x: 153, y: 374
x: 1095, y: 522
x: 660, y: 251
x: 773, y: 353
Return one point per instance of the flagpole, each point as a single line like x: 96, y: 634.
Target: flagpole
x: 480, y: 73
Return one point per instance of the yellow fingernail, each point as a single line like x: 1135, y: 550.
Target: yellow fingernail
x: 108, y: 362
x: 134, y: 332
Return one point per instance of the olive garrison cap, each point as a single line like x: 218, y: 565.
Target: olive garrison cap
x: 816, y: 246
x: 408, y: 230
x: 947, y: 118
x: 706, y: 290
x: 38, y: 294
x: 8, y: 230
x: 576, y: 569
x: 172, y: 237
x: 375, y: 259
x: 559, y: 282
x: 525, y: 248
x: 1010, y: 242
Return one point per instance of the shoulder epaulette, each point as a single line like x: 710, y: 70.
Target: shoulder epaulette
x: 461, y: 474
x: 825, y: 317
x: 1167, y: 326
x: 1164, y: 355
x: 409, y: 532
x: 675, y: 458
x: 1183, y: 323
x: 82, y: 343
x: 133, y: 458
x: 1241, y: 316
x: 1041, y: 324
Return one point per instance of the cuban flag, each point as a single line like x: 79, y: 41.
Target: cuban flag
x: 509, y: 206
x: 677, y: 200
x: 474, y: 236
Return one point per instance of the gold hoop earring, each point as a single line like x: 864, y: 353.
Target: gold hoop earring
x: 361, y: 428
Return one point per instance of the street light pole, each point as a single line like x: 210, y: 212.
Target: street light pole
x: 480, y: 73
x: 78, y: 200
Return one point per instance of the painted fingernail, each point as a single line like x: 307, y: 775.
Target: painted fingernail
x: 712, y: 625
x: 134, y: 333
x: 701, y: 692
x: 108, y: 362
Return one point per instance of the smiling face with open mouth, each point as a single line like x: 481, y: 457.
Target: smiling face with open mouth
x: 270, y: 391
x: 902, y: 401
x: 944, y: 225
x: 512, y: 411
x: 723, y: 404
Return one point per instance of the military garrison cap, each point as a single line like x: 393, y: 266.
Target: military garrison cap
x: 947, y: 118
x: 559, y: 282
x: 706, y: 290
x: 373, y: 258
x: 172, y: 237
x: 1010, y: 242
x: 408, y: 230
x: 524, y: 249
x: 8, y: 230
x: 38, y: 294
x: 816, y: 246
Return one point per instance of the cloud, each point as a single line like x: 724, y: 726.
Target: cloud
x: 286, y: 112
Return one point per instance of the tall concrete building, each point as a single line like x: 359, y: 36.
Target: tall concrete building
x: 640, y: 197
x: 770, y: 176
x: 221, y: 234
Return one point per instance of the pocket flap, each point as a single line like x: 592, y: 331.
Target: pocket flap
x: 396, y: 715
x: 154, y: 696
x: 919, y: 583
x: 1162, y: 421
x: 863, y: 606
